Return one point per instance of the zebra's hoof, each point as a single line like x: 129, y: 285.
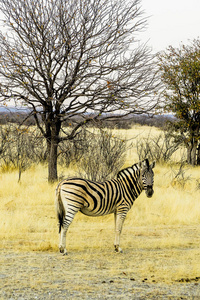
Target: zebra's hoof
x: 62, y: 250
x: 118, y: 249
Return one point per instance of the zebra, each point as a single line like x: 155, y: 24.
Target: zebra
x: 101, y: 198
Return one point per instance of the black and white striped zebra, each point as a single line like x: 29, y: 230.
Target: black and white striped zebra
x: 97, y: 199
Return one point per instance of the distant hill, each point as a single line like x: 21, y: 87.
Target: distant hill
x: 13, y: 109
x: 18, y: 114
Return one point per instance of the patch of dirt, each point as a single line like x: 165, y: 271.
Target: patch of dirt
x: 86, y: 275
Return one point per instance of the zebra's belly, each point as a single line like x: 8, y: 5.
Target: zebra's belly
x: 94, y: 213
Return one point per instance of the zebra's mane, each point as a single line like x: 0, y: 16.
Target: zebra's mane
x: 135, y: 167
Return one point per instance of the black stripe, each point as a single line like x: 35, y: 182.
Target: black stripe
x: 88, y: 193
x: 75, y: 194
x: 129, y: 188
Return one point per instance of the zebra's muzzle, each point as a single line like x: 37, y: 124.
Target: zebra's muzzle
x: 149, y: 191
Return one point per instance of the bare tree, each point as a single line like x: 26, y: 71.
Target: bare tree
x: 68, y: 59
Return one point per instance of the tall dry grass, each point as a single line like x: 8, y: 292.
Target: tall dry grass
x: 28, y: 219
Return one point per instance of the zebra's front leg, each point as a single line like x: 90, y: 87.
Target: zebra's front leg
x: 119, y: 220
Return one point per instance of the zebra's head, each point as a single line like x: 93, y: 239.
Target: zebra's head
x: 147, y: 176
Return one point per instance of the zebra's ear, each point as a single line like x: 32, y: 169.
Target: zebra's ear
x: 142, y: 164
x: 146, y: 163
x: 153, y: 164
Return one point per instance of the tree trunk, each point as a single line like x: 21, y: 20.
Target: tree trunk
x: 192, y: 154
x: 189, y: 149
x: 52, y: 130
x: 198, y: 155
x: 52, y: 162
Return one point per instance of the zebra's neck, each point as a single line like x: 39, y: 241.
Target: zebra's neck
x: 130, y: 178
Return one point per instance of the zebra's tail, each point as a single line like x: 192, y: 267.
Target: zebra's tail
x: 59, y: 208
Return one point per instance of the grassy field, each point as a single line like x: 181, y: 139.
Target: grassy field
x: 162, y: 233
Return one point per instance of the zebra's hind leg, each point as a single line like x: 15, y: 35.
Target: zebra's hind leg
x: 69, y: 216
x: 62, y: 244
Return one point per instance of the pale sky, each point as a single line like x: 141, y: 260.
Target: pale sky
x: 171, y: 22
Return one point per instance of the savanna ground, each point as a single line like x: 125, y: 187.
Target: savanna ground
x: 160, y: 239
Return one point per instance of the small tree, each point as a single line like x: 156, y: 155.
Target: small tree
x: 159, y: 148
x: 20, y: 147
x: 180, y: 73
x: 104, y: 157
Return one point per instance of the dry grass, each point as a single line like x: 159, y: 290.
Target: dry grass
x: 166, y: 225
